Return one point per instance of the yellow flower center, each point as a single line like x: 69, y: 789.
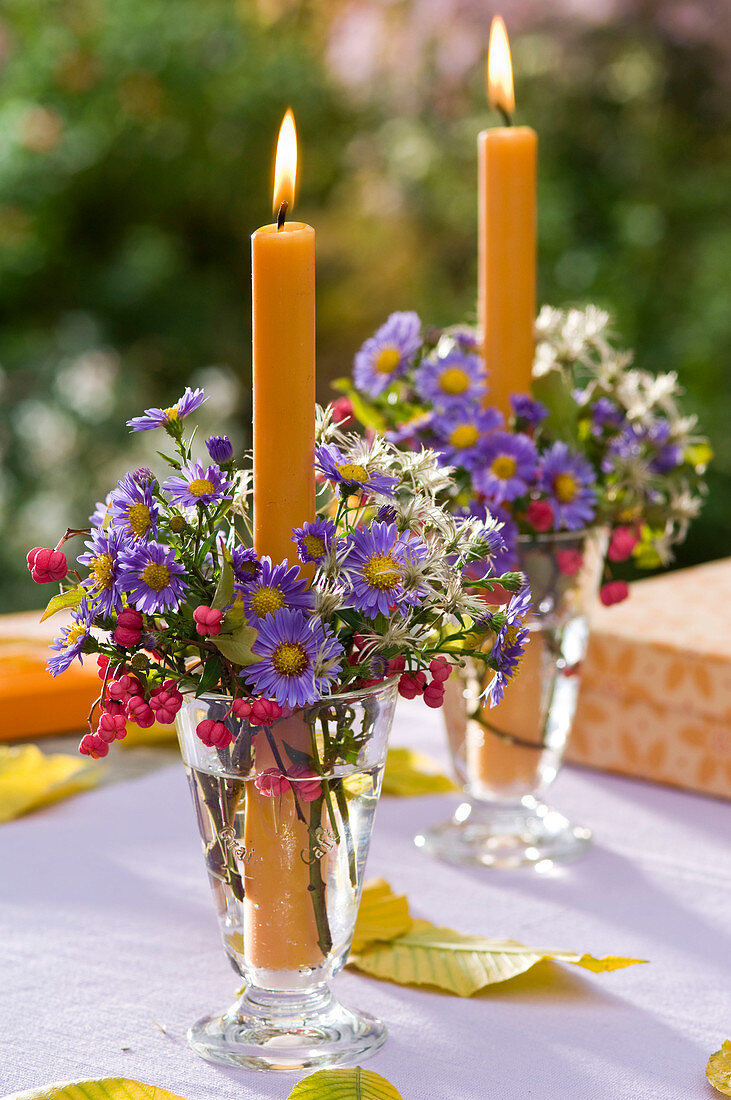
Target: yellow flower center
x: 156, y: 576
x: 138, y: 517
x: 172, y: 412
x: 101, y: 570
x: 75, y: 632
x: 266, y: 601
x: 350, y: 471
x: 564, y: 486
x: 248, y: 567
x: 290, y: 659
x: 382, y: 571
x: 504, y: 467
x: 466, y: 435
x: 314, y: 546
x: 387, y: 361
x: 454, y: 381
x: 201, y: 486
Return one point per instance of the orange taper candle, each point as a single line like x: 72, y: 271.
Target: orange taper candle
x: 283, y: 288
x: 507, y: 236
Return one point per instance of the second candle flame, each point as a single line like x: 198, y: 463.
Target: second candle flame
x: 500, y: 94
x: 285, y: 165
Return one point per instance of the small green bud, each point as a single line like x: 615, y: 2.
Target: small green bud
x: 140, y: 662
x: 177, y: 524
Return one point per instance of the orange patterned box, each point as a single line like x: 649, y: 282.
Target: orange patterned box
x: 32, y: 703
x: 655, y: 699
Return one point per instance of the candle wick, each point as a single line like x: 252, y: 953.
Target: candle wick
x: 282, y: 214
x: 507, y: 119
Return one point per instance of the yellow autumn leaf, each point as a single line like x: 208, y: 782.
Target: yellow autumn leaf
x: 63, y: 601
x: 30, y: 778
x: 345, y: 1084
x: 411, y: 773
x: 382, y: 915
x: 156, y: 734
x: 427, y: 955
x: 718, y: 1069
x: 107, y: 1088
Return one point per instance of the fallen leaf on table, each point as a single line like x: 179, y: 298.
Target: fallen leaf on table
x: 345, y: 1084
x: 411, y: 773
x: 718, y: 1069
x: 157, y: 734
x: 427, y: 955
x: 108, y: 1088
x: 382, y: 915
x: 30, y: 778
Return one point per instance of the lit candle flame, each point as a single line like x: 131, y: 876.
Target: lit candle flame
x: 500, y: 92
x: 285, y: 165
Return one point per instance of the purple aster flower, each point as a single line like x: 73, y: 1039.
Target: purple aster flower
x: 313, y: 539
x: 163, y: 418
x: 143, y: 475
x: 510, y: 465
x: 458, y: 376
x: 377, y: 565
x: 568, y: 480
x: 220, y: 448
x: 388, y: 354
x: 133, y: 508
x: 152, y: 578
x: 246, y: 565
x: 350, y: 475
x: 506, y: 556
x: 461, y: 430
x: 667, y: 458
x: 511, y: 638
x: 71, y: 640
x: 102, y: 513
x: 277, y: 586
x: 526, y: 409
x: 198, y: 485
x: 105, y: 548
x: 465, y: 338
x: 299, y: 659
x: 604, y: 413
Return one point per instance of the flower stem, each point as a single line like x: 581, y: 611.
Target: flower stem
x: 317, y: 885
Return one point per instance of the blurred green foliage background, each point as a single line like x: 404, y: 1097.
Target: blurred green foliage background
x: 136, y: 142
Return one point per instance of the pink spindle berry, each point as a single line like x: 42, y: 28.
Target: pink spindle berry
x: 208, y: 620
x: 114, y: 707
x: 264, y: 712
x: 272, y: 783
x: 124, y: 687
x: 140, y: 712
x: 412, y: 684
x: 440, y: 669
x: 166, y: 701
x: 307, y: 785
x: 396, y: 664
x: 213, y: 734
x: 621, y: 544
x: 614, y: 592
x: 434, y: 694
x: 47, y: 566
x: 241, y: 708
x: 342, y: 412
x: 91, y: 744
x: 103, y: 663
x: 539, y: 514
x: 112, y: 727
x: 129, y: 627
x: 569, y: 562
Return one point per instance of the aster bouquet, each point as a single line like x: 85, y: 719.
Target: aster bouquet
x: 598, y: 441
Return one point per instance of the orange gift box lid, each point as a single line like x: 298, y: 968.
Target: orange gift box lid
x: 32, y: 702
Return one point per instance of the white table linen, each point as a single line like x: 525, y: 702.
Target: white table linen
x: 110, y: 948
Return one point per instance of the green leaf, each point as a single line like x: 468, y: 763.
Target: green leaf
x: 108, y: 1088
x: 553, y: 390
x: 235, y: 617
x: 345, y: 1084
x: 236, y: 647
x: 225, y: 587
x: 211, y: 675
x: 411, y: 773
x: 382, y: 915
x: 65, y: 600
x: 427, y: 955
x: 718, y: 1069
x: 368, y: 416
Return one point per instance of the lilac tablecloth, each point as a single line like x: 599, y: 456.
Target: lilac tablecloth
x: 110, y: 948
